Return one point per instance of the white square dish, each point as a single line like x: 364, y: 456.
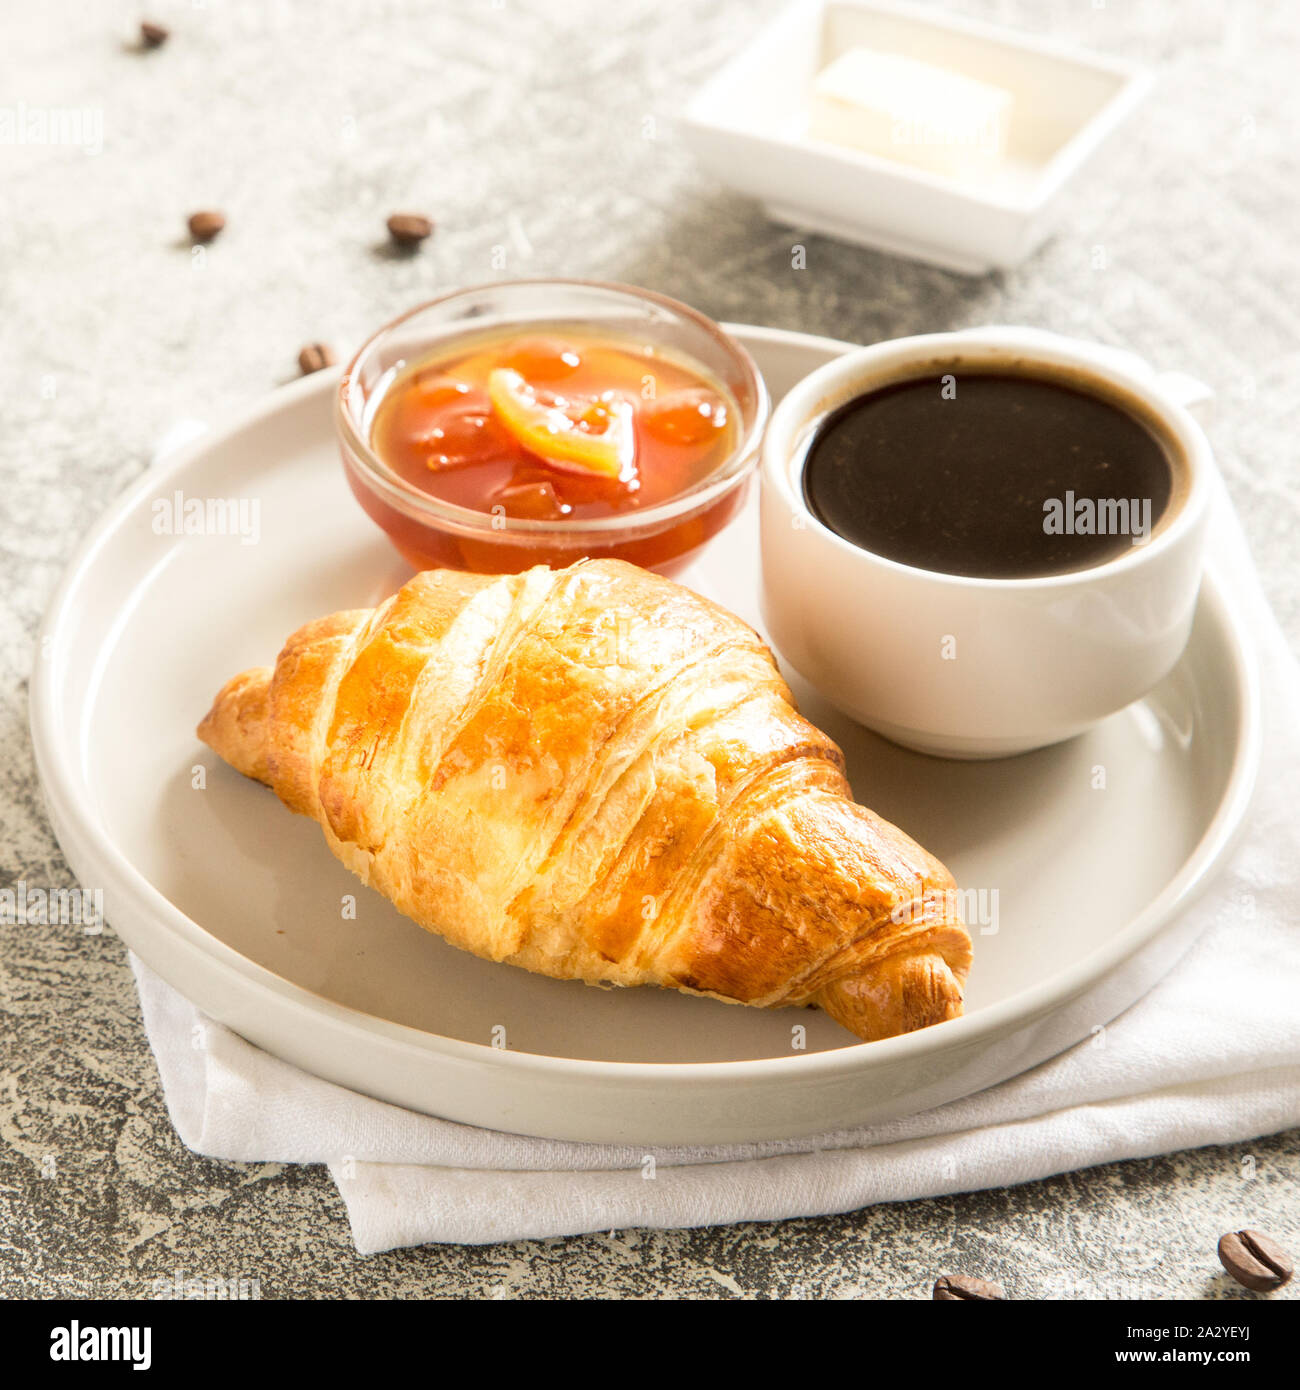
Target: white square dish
x: 749, y: 127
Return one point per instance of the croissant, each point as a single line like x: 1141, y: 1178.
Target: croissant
x: 596, y: 774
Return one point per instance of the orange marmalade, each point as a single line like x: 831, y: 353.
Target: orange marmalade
x: 559, y: 426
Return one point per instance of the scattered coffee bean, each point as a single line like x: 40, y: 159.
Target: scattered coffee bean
x: 962, y: 1287
x: 206, y: 225
x: 153, y: 35
x: 315, y: 357
x: 409, y: 228
x: 1255, y: 1260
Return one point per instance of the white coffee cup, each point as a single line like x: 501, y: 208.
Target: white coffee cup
x: 970, y: 667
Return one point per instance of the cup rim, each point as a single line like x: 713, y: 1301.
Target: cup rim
x: 854, y: 373
x: 433, y: 511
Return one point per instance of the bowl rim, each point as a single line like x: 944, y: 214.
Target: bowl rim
x: 443, y: 515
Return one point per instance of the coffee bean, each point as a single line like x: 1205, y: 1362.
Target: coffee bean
x: 962, y: 1287
x: 205, y: 225
x: 409, y: 228
x: 315, y: 357
x: 153, y: 35
x: 1255, y: 1260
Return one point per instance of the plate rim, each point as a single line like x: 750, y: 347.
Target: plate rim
x: 76, y: 824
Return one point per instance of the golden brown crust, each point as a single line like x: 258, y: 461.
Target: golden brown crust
x: 236, y: 725
x: 596, y: 774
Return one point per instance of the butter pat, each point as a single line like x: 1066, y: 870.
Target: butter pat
x: 916, y: 113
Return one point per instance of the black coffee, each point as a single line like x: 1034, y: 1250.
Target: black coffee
x: 988, y: 473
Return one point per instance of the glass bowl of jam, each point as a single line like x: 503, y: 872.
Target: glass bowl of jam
x: 541, y: 421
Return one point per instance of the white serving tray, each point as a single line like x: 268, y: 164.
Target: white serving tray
x: 748, y: 126
x: 237, y: 902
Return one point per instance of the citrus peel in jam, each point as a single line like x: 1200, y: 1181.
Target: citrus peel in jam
x: 585, y: 435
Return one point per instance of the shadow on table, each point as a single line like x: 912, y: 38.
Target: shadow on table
x: 721, y: 255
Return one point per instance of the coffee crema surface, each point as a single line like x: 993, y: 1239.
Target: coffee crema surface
x: 997, y: 474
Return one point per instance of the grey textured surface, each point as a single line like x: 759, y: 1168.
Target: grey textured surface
x: 541, y: 137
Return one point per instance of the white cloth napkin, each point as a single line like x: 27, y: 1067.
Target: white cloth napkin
x: 1211, y: 1055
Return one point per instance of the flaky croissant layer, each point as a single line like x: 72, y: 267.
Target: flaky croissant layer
x: 597, y: 774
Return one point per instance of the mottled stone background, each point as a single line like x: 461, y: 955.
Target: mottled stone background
x: 522, y: 127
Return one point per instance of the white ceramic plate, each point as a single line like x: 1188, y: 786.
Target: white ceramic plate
x: 237, y: 902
